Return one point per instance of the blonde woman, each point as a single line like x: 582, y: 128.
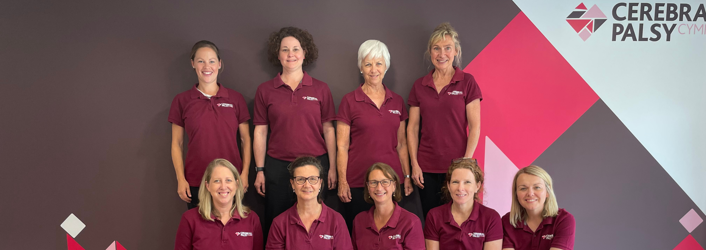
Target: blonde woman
x: 221, y: 221
x: 535, y: 220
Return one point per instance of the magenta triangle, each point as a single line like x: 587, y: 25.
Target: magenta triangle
x: 581, y: 7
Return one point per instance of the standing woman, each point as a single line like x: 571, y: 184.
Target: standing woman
x: 297, y: 110
x: 371, y: 128
x: 211, y: 115
x: 387, y: 225
x: 309, y: 224
x: 535, y: 221
x: 463, y: 223
x: 221, y: 221
x: 447, y: 101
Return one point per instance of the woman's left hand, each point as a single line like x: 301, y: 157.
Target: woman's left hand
x: 408, y: 188
x: 332, y: 178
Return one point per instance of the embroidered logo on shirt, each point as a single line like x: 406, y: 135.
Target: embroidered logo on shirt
x: 395, y: 237
x: 243, y: 234
x: 395, y: 112
x: 310, y: 98
x: 455, y: 92
x: 548, y: 236
x: 225, y: 105
x: 476, y: 235
x: 326, y: 237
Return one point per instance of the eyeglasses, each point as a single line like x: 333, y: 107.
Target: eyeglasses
x: 462, y: 159
x: 384, y: 183
x: 313, y: 180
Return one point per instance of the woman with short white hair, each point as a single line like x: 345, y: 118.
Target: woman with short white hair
x: 371, y: 128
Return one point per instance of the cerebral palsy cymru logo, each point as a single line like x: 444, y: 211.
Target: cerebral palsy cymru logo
x: 586, y: 21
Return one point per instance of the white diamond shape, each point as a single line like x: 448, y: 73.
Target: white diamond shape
x: 73, y: 225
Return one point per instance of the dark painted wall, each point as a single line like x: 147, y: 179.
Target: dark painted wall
x: 86, y: 88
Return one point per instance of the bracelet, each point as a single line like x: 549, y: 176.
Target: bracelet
x: 407, y: 176
x: 259, y: 169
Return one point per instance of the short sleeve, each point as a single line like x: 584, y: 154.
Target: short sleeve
x: 431, y: 231
x: 184, y: 234
x: 404, y: 115
x: 260, y: 110
x: 507, y: 240
x: 328, y: 110
x: 564, y: 232
x: 495, y: 228
x: 256, y: 231
x: 472, y: 90
x: 176, y: 112
x: 243, y: 113
x: 415, y: 237
x: 344, y: 111
x: 277, y: 237
x: 342, y: 239
x: 412, y: 100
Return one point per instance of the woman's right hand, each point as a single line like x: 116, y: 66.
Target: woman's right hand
x: 417, y: 176
x: 260, y: 183
x: 344, y: 191
x: 184, y: 190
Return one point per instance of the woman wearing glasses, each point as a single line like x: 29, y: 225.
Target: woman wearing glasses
x: 309, y: 223
x: 386, y: 225
x: 463, y: 223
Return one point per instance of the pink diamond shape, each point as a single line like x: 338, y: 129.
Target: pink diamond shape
x: 584, y: 34
x: 691, y: 220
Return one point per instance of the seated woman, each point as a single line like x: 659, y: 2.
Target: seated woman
x: 463, y: 223
x: 308, y: 224
x: 220, y: 221
x: 386, y: 225
x: 535, y: 220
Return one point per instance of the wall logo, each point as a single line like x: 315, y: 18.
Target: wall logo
x: 586, y: 21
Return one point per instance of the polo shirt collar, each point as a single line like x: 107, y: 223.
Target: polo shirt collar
x: 392, y: 222
x: 428, y: 80
x: 360, y: 96
x: 546, y: 221
x: 306, y: 80
x: 294, y: 214
x: 235, y: 216
x: 222, y: 92
x: 475, y: 213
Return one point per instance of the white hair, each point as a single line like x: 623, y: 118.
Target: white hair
x: 374, y: 49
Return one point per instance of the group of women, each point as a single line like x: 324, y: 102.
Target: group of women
x: 372, y: 156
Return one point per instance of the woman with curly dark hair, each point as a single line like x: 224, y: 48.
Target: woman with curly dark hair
x: 297, y: 110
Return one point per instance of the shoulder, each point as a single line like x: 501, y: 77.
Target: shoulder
x: 266, y: 85
x: 409, y: 217
x: 252, y: 215
x: 350, y: 96
x: 565, y: 216
x: 318, y: 83
x: 361, y: 217
x: 282, y: 218
x: 191, y: 214
x: 330, y: 213
x: 488, y: 212
x: 469, y: 79
x: 232, y: 94
x: 183, y: 95
x: 438, y: 211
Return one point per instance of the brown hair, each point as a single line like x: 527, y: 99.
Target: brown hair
x: 464, y: 163
x: 307, y: 161
x: 304, y: 38
x: 206, y: 44
x: 389, y: 173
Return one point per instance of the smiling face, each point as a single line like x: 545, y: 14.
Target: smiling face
x: 462, y: 186
x: 291, y: 54
x: 222, y: 186
x: 531, y: 193
x: 206, y: 64
x: 306, y: 191
x: 373, y: 69
x: 380, y: 194
x: 443, y: 52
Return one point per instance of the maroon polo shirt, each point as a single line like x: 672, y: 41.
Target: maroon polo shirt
x: 239, y: 233
x: 294, y: 117
x: 402, y: 231
x: 443, y: 117
x: 556, y: 232
x: 373, y: 136
x: 329, y: 231
x: 483, y: 225
x: 211, y: 126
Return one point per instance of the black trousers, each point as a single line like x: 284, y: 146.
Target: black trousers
x: 431, y: 194
x: 194, y: 198
x: 279, y: 195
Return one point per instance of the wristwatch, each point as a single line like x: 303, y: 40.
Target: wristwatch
x: 407, y: 176
x: 259, y: 169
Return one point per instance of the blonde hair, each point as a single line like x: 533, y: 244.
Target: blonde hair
x: 551, y: 208
x: 205, y: 199
x: 463, y: 163
x: 440, y: 33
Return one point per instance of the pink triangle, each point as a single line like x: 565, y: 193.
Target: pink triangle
x: 578, y: 24
x: 72, y: 244
x: 118, y: 246
x: 594, y: 12
x: 581, y: 7
x: 589, y: 26
x: 689, y: 243
x: 111, y: 247
x: 499, y: 172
